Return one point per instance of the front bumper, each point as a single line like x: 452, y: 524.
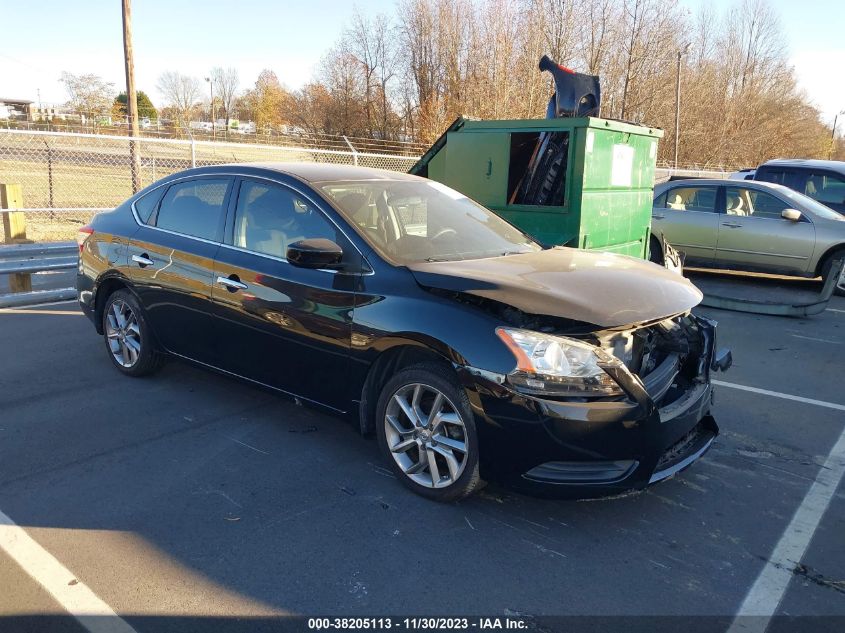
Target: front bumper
x: 594, y: 448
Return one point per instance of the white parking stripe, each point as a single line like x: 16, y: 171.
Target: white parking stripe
x: 765, y: 595
x: 785, y: 396
x: 41, y: 305
x: 834, y: 310
x: 74, y: 596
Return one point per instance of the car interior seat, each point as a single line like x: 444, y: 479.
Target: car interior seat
x: 675, y: 201
x: 735, y: 205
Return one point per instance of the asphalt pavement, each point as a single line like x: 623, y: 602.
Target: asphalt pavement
x: 189, y: 499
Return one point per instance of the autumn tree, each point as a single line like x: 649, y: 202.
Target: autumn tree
x: 267, y: 103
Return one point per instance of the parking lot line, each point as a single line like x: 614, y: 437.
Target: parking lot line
x: 74, y: 596
x: 765, y: 595
x: 834, y: 310
x: 777, y: 394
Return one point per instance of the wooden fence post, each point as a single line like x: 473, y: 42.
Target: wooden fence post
x: 14, y: 231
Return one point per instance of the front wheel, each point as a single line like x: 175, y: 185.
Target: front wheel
x: 828, y: 264
x: 127, y: 335
x: 427, y: 433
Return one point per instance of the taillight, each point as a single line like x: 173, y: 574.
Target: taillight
x: 81, y: 235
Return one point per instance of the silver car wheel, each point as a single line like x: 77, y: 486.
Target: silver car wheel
x: 426, y: 435
x: 123, y: 334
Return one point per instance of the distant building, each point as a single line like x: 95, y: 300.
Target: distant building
x: 15, y: 109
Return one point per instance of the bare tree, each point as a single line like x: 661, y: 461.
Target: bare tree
x: 181, y: 92
x: 409, y: 76
x: 226, y: 85
x: 89, y: 95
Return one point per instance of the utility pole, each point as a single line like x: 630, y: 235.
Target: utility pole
x: 681, y: 53
x: 833, y: 135
x: 211, y: 104
x: 131, y: 97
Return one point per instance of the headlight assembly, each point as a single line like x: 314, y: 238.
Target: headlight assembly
x: 558, y: 366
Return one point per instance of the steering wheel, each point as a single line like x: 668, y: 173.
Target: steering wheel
x: 444, y: 232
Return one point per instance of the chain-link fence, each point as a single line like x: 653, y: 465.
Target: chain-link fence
x: 68, y: 178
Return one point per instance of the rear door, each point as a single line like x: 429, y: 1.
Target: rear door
x: 171, y: 260
x: 754, y: 236
x: 687, y: 216
x: 278, y: 324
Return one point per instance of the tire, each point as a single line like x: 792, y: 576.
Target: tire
x: 128, y: 338
x: 825, y: 270
x: 430, y: 437
x: 655, y: 251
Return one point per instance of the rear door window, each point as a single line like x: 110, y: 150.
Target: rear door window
x: 195, y: 208
x: 691, y: 199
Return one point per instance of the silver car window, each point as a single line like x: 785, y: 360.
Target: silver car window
x: 691, y: 199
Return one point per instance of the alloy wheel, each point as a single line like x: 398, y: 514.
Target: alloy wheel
x: 426, y: 435
x: 123, y: 334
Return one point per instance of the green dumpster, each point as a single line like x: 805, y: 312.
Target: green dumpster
x: 608, y: 175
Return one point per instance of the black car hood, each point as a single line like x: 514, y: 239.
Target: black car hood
x: 592, y: 287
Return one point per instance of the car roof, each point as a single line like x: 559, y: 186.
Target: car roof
x: 715, y: 182
x: 812, y: 163
x: 327, y: 172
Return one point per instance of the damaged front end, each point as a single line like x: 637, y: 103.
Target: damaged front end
x: 648, y: 418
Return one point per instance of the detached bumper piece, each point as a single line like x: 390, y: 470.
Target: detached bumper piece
x: 686, y: 450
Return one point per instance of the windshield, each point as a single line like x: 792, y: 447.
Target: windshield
x: 415, y: 221
x: 816, y: 208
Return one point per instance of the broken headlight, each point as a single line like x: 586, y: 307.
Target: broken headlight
x: 558, y: 366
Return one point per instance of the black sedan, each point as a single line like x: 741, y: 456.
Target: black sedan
x: 469, y: 350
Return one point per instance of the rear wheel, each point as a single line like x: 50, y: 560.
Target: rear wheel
x: 427, y: 432
x: 828, y: 263
x: 127, y: 335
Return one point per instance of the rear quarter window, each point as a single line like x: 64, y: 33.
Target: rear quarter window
x: 146, y: 204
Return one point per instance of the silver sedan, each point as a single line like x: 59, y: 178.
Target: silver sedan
x: 755, y: 226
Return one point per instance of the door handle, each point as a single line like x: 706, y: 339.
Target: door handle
x: 232, y: 283
x: 732, y: 225
x: 143, y: 260
x: 657, y: 217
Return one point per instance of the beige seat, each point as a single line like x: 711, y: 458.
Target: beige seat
x: 676, y: 202
x: 736, y: 206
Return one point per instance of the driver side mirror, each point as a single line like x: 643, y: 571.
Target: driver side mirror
x: 315, y: 253
x: 791, y: 214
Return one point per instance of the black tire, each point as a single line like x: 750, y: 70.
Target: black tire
x: 439, y: 378
x: 146, y: 359
x: 825, y: 269
x: 655, y: 251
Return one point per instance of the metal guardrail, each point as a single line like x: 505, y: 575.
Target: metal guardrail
x: 33, y: 258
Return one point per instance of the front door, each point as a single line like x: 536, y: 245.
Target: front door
x: 171, y: 259
x: 753, y: 235
x: 278, y: 324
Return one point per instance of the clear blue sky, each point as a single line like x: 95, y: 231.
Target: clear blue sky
x: 41, y: 39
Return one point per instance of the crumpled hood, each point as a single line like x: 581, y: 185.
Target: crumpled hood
x: 600, y: 288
